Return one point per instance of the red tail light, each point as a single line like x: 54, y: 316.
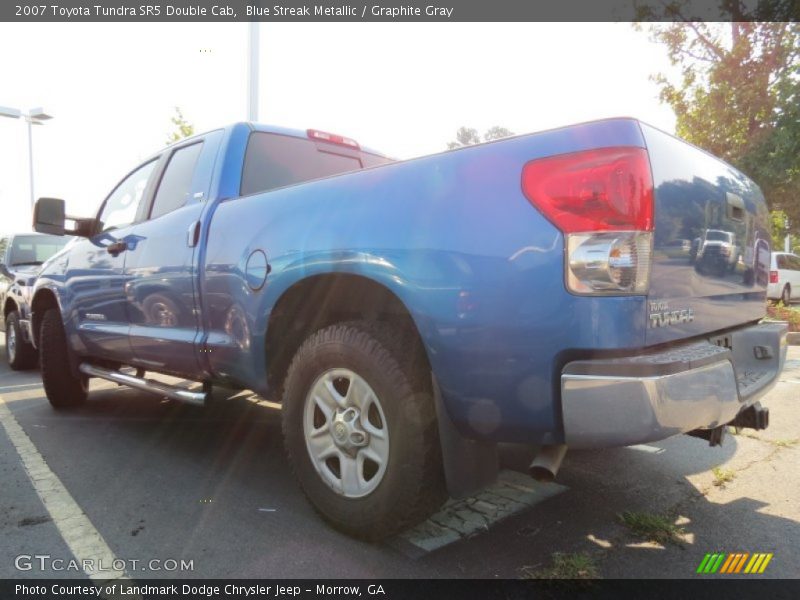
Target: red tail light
x: 609, y: 189
x: 773, y: 277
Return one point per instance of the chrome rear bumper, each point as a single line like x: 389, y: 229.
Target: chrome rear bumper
x: 701, y: 385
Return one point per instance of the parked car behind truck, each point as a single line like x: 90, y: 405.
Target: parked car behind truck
x: 784, y: 277
x: 21, y: 255
x: 412, y: 315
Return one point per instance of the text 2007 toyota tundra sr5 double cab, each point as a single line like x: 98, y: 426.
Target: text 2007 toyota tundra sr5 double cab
x: 412, y: 315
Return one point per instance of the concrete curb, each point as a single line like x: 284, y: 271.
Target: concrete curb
x: 793, y: 338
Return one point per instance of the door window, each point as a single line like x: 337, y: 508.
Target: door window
x: 121, y: 207
x: 176, y: 183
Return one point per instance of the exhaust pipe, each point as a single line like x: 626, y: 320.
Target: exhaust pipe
x: 147, y: 385
x: 547, y: 462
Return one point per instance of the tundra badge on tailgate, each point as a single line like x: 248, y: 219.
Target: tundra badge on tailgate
x: 661, y: 316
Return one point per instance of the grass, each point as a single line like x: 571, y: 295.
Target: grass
x: 780, y: 443
x: 785, y: 443
x: 565, y: 566
x: 653, y: 528
x: 723, y: 476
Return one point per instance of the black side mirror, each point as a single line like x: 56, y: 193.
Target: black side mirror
x: 4, y: 270
x: 49, y: 216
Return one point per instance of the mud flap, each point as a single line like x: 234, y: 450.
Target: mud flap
x: 469, y: 465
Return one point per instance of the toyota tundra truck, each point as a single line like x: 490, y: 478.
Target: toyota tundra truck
x: 412, y: 315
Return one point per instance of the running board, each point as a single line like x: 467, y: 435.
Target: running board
x: 146, y: 385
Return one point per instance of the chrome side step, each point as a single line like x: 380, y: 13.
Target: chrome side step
x: 147, y: 385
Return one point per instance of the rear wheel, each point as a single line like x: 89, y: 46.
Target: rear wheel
x: 360, y: 429
x: 20, y: 354
x: 63, y: 388
x: 786, y: 295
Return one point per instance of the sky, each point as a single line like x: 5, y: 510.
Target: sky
x: 400, y: 88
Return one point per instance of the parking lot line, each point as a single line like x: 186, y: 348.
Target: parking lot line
x: 81, y: 537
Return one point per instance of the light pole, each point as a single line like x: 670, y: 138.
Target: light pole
x: 787, y: 240
x: 34, y: 116
x: 252, y: 71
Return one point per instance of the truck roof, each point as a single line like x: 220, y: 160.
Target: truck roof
x: 267, y: 128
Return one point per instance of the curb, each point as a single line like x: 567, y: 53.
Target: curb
x: 793, y: 338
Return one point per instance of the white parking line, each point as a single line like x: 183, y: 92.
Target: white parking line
x: 83, y: 540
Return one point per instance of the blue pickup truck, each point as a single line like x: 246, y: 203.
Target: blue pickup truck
x: 410, y: 316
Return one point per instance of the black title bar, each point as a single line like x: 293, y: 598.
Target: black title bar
x: 741, y: 588
x: 393, y: 11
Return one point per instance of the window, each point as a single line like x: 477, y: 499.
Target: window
x: 793, y: 262
x: 121, y: 206
x: 274, y: 161
x: 35, y: 249
x: 176, y: 183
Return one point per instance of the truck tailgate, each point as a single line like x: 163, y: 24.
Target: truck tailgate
x: 711, y: 246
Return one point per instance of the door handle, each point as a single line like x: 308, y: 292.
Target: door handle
x: 117, y: 247
x: 193, y: 234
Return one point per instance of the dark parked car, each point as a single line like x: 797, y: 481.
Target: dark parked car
x: 21, y: 256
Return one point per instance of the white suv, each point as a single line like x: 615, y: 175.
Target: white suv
x: 784, y: 277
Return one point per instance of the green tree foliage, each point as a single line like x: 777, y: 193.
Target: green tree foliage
x: 739, y: 96
x: 467, y: 136
x: 183, y: 128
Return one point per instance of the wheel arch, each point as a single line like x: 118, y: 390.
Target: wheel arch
x: 322, y: 299
x: 43, y: 300
x: 9, y: 306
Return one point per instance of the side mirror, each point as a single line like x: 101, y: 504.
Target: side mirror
x: 4, y: 270
x: 48, y: 216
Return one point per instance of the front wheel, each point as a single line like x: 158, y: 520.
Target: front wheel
x: 63, y: 388
x: 360, y: 429
x: 20, y: 354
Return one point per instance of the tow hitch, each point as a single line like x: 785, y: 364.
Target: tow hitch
x: 754, y: 416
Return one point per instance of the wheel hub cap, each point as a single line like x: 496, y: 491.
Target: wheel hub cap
x: 346, y: 433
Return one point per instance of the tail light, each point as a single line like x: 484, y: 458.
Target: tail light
x: 773, y: 277
x: 603, y: 202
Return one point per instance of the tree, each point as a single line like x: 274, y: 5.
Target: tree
x: 467, y: 136
x: 739, y: 95
x: 183, y: 128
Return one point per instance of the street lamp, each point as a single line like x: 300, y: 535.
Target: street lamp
x: 34, y: 116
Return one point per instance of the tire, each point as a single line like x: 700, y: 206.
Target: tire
x: 786, y: 295
x: 63, y: 388
x: 392, y: 380
x: 19, y: 353
x: 161, y: 311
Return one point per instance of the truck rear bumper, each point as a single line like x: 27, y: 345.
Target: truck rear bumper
x: 700, y: 385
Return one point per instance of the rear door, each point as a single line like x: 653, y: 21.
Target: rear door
x: 695, y: 195
x: 161, y: 271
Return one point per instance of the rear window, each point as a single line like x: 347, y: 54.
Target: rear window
x: 718, y: 236
x: 273, y: 160
x: 35, y: 249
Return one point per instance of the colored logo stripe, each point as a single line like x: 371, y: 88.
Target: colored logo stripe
x: 733, y: 563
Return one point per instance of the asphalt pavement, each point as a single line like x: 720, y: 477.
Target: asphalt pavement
x: 146, y: 480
